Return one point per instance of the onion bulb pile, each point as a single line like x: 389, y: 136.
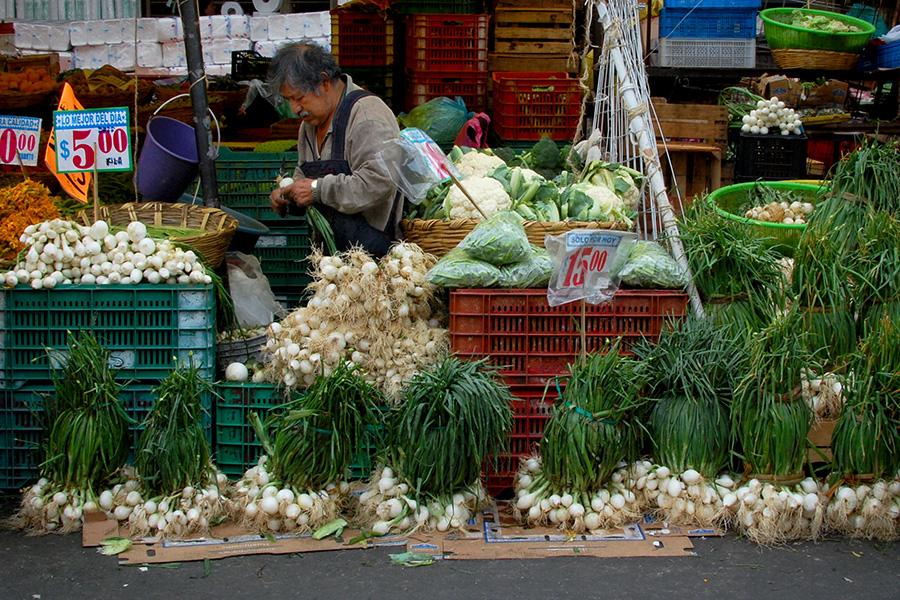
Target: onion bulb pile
x: 539, y: 502
x: 823, y: 394
x: 62, y: 252
x: 685, y: 498
x: 388, y: 506
x: 771, y: 115
x: 793, y: 213
x: 866, y: 511
x: 772, y: 513
x: 380, y: 315
x: 257, y: 502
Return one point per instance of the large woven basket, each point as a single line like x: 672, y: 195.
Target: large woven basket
x: 24, y: 99
x: 824, y: 60
x: 219, y: 226
x: 439, y: 237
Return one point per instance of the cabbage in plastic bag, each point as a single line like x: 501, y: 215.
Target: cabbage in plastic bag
x: 459, y: 270
x: 441, y: 118
x: 648, y: 265
x: 500, y: 240
x: 532, y: 272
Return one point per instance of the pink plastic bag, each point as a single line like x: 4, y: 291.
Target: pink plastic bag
x: 475, y: 132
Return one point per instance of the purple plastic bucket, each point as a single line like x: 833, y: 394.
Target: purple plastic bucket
x: 168, y: 162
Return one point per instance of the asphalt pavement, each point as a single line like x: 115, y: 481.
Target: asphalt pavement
x: 55, y: 567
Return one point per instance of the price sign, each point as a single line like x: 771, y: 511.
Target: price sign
x: 89, y: 139
x: 582, y: 260
x: 19, y: 140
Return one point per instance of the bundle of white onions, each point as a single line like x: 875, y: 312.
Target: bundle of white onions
x: 864, y: 511
x: 612, y: 505
x: 823, y: 394
x: 62, y: 252
x: 378, y: 314
x: 770, y: 114
x: 388, y: 505
x: 774, y: 513
x: 687, y: 498
x: 47, y: 507
x: 257, y: 503
x: 189, y: 511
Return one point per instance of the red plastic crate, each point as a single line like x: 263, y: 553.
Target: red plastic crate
x: 447, y: 42
x: 362, y: 39
x: 533, y: 341
x: 528, y: 105
x: 824, y: 150
x: 471, y: 86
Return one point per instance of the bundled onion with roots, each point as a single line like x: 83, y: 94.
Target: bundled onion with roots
x: 381, y: 313
x: 181, y: 492
x: 864, y: 499
x: 301, y: 481
x: 691, y: 374
x: 771, y: 423
x: 582, y: 480
x: 454, y: 415
x: 85, y: 443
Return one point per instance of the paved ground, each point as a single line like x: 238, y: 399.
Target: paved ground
x: 57, y: 567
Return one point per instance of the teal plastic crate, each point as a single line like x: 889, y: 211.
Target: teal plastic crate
x: 284, y: 253
x: 145, y: 327
x: 292, y: 296
x: 237, y: 447
x: 246, y: 179
x: 20, y: 432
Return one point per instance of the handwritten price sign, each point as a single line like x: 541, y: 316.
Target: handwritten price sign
x: 89, y: 139
x: 582, y: 259
x: 19, y: 139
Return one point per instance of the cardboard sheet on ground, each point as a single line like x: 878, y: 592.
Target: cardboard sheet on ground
x: 491, y: 535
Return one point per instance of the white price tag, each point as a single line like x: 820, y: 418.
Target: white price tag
x: 582, y: 258
x: 19, y: 140
x: 89, y: 138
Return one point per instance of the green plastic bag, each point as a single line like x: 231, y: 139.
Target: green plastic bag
x: 648, y: 265
x: 532, y: 272
x: 459, y: 270
x: 500, y: 240
x: 441, y: 118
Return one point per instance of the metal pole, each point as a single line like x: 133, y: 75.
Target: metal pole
x: 206, y: 153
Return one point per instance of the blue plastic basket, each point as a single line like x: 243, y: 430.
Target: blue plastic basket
x: 707, y: 23
x: 887, y: 56
x: 713, y: 4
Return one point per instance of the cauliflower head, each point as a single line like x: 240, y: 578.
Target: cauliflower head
x: 477, y: 164
x: 487, y: 192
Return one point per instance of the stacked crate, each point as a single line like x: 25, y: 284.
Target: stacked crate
x: 712, y: 34
x: 246, y: 179
x: 363, y: 45
x: 535, y: 34
x: 530, y: 105
x: 447, y: 55
x: 146, y: 328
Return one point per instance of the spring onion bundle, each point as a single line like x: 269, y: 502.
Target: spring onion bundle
x: 309, y: 444
x: 771, y: 422
x: 586, y: 447
x: 180, y: 491
x: 383, y: 313
x: 454, y: 415
x: 86, y: 440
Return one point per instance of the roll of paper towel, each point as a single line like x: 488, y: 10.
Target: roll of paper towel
x: 232, y: 8
x: 267, y: 6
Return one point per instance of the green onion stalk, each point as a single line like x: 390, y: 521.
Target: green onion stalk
x: 300, y: 483
x: 85, y: 439
x: 771, y: 420
x: 583, y: 478
x: 737, y: 273
x: 877, y: 271
x: 691, y: 375
x: 864, y: 489
x: 455, y: 414
x: 173, y: 461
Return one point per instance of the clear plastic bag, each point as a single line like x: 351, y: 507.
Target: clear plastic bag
x: 254, y: 303
x: 648, y: 265
x: 458, y: 270
x: 500, y: 240
x: 533, y: 272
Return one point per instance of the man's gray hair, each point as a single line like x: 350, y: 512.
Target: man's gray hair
x: 302, y: 66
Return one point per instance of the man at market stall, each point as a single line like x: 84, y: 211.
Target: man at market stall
x: 343, y: 128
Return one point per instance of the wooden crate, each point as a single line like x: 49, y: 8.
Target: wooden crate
x: 820, y: 437
x: 533, y: 30
x: 541, y: 63
x: 46, y: 62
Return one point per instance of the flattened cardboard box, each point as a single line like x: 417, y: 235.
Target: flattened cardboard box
x: 831, y: 94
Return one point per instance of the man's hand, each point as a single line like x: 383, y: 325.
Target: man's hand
x: 298, y: 193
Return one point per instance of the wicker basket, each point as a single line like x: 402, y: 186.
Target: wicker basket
x: 23, y: 100
x: 439, y: 237
x: 824, y: 60
x: 231, y: 99
x: 180, y: 110
x: 219, y: 226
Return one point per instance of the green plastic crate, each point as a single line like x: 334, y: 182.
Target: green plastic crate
x: 247, y: 178
x: 20, y: 432
x: 292, y: 296
x: 145, y: 327
x: 284, y: 253
x: 781, y: 35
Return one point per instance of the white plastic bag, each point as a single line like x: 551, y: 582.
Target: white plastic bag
x: 254, y: 303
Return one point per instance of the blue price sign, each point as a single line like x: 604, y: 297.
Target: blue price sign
x: 89, y: 139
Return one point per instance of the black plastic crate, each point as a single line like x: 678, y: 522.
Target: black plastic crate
x: 249, y: 64
x: 378, y: 80
x: 770, y: 157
